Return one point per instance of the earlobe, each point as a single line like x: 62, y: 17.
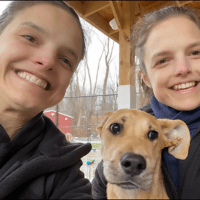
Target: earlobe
x: 145, y: 78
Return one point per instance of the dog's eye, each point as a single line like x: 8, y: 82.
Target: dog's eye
x: 115, y: 128
x: 152, y: 135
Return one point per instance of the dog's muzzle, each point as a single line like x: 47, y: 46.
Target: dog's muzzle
x: 131, y: 173
x: 133, y: 164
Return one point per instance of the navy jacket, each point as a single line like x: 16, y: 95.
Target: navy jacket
x: 189, y: 173
x: 41, y: 164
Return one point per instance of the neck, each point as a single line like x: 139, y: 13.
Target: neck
x: 12, y: 121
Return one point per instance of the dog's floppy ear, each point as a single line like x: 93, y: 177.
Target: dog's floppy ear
x: 103, y: 121
x: 176, y: 137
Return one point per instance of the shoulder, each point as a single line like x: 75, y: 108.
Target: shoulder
x: 55, y: 144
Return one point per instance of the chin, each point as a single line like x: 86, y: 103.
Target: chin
x: 27, y: 105
x: 185, y: 106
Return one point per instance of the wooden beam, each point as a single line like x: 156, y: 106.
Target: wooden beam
x: 94, y: 6
x: 177, y: 2
x: 116, y: 14
x: 97, y: 21
x: 77, y: 5
x: 182, y: 3
x: 115, y: 36
x: 127, y: 81
x: 128, y: 13
x: 94, y: 19
x: 113, y: 32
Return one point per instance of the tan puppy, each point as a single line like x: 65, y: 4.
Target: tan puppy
x: 131, y: 146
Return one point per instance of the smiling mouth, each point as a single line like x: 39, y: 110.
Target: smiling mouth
x: 34, y: 79
x: 185, y: 86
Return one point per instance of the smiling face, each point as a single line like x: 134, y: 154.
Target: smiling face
x: 39, y: 50
x: 172, y: 60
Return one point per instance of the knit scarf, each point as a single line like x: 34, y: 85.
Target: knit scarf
x: 191, y: 118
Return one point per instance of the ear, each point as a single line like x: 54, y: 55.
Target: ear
x: 176, y: 137
x: 101, y: 124
x: 145, y: 78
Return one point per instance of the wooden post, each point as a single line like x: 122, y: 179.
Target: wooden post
x: 127, y: 91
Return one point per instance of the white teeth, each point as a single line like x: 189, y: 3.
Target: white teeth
x: 45, y: 85
x: 33, y: 79
x: 38, y: 82
x: 28, y: 78
x: 187, y: 85
x: 184, y: 86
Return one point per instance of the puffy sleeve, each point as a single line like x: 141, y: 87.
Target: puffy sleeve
x: 99, y: 183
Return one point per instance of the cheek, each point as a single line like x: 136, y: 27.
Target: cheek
x: 158, y: 81
x: 13, y: 51
x: 64, y: 80
x: 154, y: 154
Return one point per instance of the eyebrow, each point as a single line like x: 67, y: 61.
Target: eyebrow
x: 42, y: 30
x: 71, y: 52
x: 31, y: 24
x: 162, y: 53
x: 194, y: 44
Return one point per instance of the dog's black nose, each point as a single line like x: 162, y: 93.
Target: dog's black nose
x: 133, y: 164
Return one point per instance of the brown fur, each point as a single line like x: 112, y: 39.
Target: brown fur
x: 133, y: 139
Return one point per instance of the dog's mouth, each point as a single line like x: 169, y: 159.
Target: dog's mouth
x: 128, y: 186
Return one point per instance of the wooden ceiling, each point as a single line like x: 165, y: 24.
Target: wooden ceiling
x: 100, y: 13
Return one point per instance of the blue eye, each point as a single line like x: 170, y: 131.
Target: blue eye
x: 65, y: 60
x: 30, y: 38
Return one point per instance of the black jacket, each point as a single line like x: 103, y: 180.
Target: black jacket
x: 189, y: 173
x: 41, y: 164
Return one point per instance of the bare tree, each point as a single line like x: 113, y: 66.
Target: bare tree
x: 86, y: 110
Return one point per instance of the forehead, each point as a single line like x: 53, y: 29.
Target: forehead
x: 135, y: 124
x: 173, y: 32
x: 45, y: 10
x: 55, y: 22
x: 138, y: 117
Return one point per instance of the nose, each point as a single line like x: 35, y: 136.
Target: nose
x: 182, y: 68
x: 133, y: 164
x: 43, y: 64
x: 45, y: 59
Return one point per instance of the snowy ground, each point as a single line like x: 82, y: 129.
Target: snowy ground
x: 95, y: 154
x: 89, y: 170
x: 86, y: 139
